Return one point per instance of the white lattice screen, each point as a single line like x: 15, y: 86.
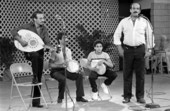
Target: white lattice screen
x: 93, y: 14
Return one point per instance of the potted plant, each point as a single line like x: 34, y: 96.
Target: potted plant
x: 7, y: 51
x: 86, y: 40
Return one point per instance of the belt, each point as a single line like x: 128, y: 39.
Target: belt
x: 133, y: 47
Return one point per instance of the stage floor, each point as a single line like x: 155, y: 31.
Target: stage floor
x: 161, y: 96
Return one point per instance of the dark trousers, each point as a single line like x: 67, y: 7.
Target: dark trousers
x: 37, y: 66
x: 111, y: 75
x: 59, y: 75
x: 134, y: 60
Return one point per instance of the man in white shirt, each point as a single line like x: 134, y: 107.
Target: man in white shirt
x: 58, y: 65
x: 138, y: 40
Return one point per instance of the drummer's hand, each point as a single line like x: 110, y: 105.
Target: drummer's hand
x: 95, y: 69
x: 64, y: 65
x: 100, y: 62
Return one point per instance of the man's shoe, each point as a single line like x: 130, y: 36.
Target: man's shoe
x: 105, y: 89
x: 141, y: 100
x: 126, y: 100
x: 37, y: 106
x: 95, y: 96
x: 81, y: 99
x: 59, y: 100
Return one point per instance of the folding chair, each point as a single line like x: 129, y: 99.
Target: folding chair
x: 47, y: 78
x: 86, y: 71
x: 19, y: 81
x: 161, y: 55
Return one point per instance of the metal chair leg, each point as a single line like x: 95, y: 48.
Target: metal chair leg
x: 48, y: 91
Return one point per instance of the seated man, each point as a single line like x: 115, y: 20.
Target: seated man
x: 165, y: 46
x: 103, y: 59
x: 58, y: 64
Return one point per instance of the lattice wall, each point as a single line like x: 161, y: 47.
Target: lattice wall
x: 101, y: 14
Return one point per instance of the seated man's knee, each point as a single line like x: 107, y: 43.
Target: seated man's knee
x: 93, y: 75
x: 114, y: 75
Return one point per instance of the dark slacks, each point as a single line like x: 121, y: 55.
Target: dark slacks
x: 37, y: 66
x: 134, y: 60
x: 111, y: 75
x: 59, y: 75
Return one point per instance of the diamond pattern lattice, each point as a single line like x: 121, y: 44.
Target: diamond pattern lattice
x: 93, y: 14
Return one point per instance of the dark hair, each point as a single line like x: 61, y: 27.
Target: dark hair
x: 135, y: 3
x: 97, y: 42
x: 34, y: 15
x: 59, y: 36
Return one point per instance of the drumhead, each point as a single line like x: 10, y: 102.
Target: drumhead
x: 73, y: 66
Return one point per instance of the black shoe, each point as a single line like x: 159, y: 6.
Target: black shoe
x: 141, y: 100
x: 37, y: 106
x: 81, y: 99
x: 59, y: 100
x: 126, y: 100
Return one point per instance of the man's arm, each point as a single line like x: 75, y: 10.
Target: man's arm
x: 149, y: 39
x: 17, y: 37
x: 149, y: 36
x: 117, y: 38
x: 53, y: 61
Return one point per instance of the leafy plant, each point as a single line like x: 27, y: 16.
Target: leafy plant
x: 7, y: 50
x: 86, y: 40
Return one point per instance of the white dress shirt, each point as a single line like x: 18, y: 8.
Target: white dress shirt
x: 134, y: 34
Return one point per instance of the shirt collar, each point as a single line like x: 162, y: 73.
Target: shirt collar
x: 129, y: 18
x: 33, y: 24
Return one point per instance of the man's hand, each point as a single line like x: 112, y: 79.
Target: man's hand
x: 24, y: 43
x: 95, y: 69
x: 21, y: 41
x: 147, y: 54
x: 100, y: 62
x: 120, y: 49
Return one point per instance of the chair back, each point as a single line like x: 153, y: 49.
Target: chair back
x: 20, y: 67
x: 20, y: 70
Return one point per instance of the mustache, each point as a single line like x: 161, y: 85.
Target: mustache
x: 135, y: 12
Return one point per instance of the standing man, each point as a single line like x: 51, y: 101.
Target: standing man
x: 37, y: 58
x: 58, y: 63
x: 138, y: 40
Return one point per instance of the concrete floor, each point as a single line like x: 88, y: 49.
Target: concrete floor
x: 161, y: 96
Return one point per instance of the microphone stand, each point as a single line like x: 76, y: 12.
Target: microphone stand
x: 152, y: 104
x: 64, y: 55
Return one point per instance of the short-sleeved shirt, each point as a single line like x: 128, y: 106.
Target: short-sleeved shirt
x: 94, y: 56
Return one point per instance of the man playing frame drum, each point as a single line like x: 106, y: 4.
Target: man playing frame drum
x: 58, y: 65
x: 99, y: 63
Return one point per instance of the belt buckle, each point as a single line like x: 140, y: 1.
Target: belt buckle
x: 136, y: 47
